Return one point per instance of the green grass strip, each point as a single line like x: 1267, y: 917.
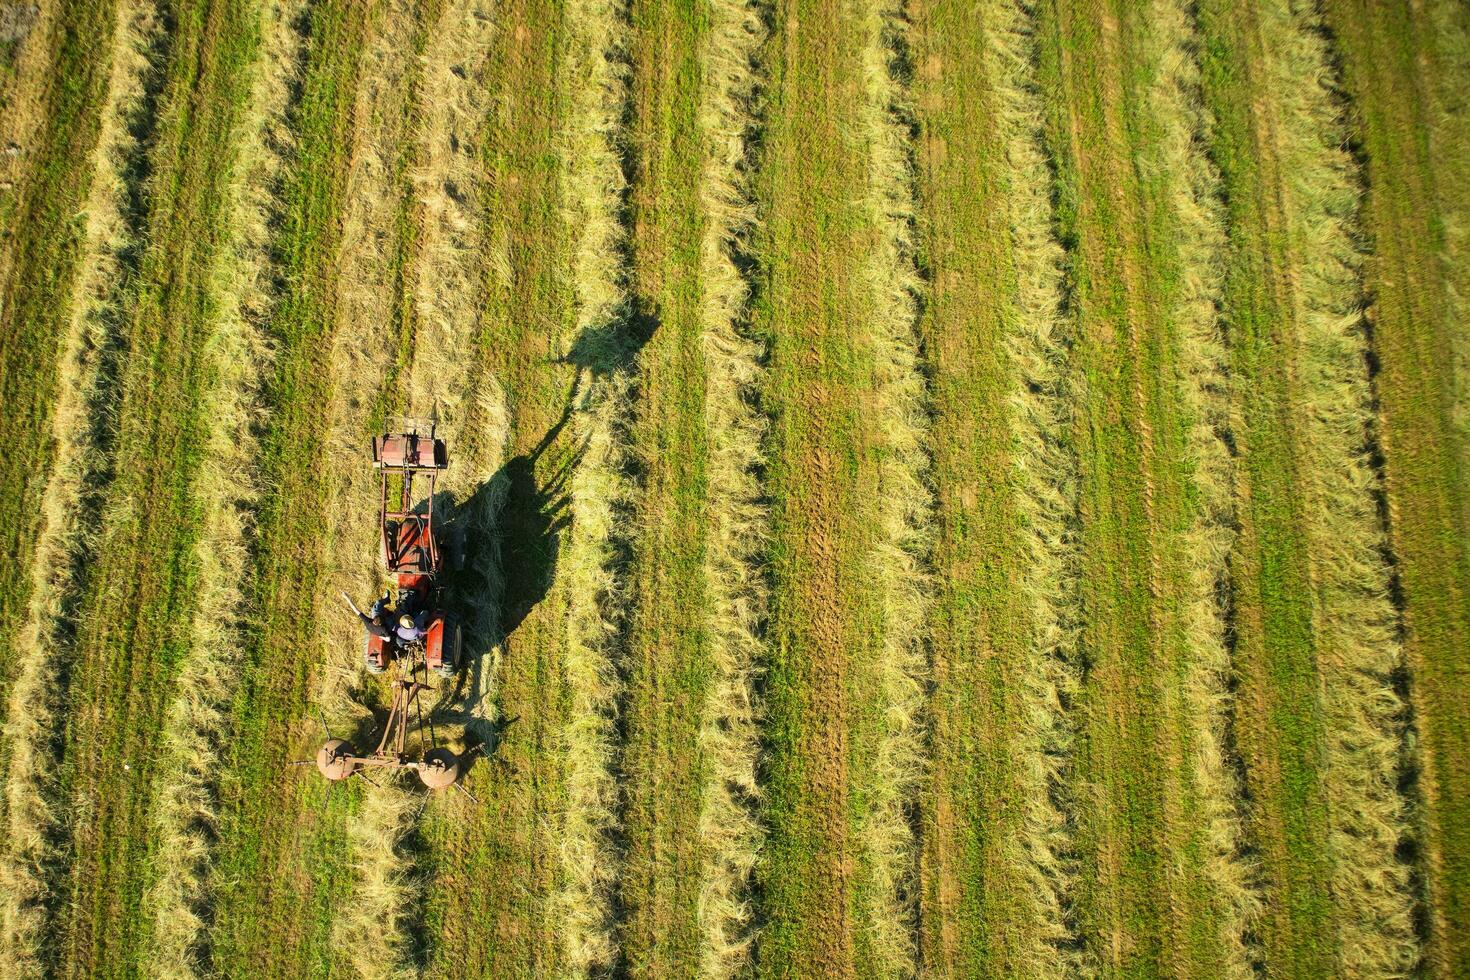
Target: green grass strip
x: 1382, y: 52
x: 1156, y: 892
x: 669, y: 665
x: 1280, y: 729
x: 45, y: 226
x: 834, y: 303
x: 495, y: 869
x: 280, y: 874
x: 995, y: 845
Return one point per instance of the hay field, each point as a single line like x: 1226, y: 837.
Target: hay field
x: 944, y: 489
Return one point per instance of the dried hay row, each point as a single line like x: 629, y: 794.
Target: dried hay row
x: 896, y: 567
x: 83, y: 412
x: 1358, y: 648
x: 1176, y: 103
x: 1036, y: 345
x: 729, y: 736
x: 597, y: 81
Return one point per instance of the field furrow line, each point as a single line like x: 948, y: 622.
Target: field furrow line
x: 735, y: 586
x: 185, y: 809
x: 897, y: 566
x: 1381, y: 57
x: 34, y: 814
x: 1357, y: 623
x: 594, y: 182
x: 997, y: 862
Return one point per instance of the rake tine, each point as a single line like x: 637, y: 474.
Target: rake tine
x: 365, y: 776
x: 460, y: 787
x: 301, y: 762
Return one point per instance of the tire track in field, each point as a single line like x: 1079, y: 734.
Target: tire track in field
x: 694, y: 597
x: 997, y: 847
x: 185, y: 811
x: 1158, y: 873
x: 34, y: 814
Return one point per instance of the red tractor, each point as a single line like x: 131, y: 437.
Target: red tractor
x: 410, y: 549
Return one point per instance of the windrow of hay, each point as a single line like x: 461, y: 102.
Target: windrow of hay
x: 593, y: 176
x: 364, y: 348
x: 23, y: 111
x: 447, y: 182
x: 69, y: 516
x: 1175, y: 103
x: 896, y: 566
x: 1358, y: 649
x: 196, y: 726
x: 1036, y: 345
x: 735, y: 588
x: 373, y: 348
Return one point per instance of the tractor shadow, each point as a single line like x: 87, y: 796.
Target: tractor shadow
x: 506, y: 537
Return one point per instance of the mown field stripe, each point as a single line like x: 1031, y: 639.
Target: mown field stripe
x: 33, y: 812
x: 373, y: 349
x: 27, y: 62
x: 668, y: 665
x: 1155, y: 893
x: 1338, y: 897
x: 834, y: 303
x: 689, y: 842
x: 495, y: 869
x: 45, y: 235
x: 1279, y: 724
x: 140, y: 594
x: 996, y: 853
x: 1380, y: 54
x: 185, y: 808
x: 279, y: 879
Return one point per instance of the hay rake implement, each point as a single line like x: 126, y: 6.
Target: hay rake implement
x: 429, y: 643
